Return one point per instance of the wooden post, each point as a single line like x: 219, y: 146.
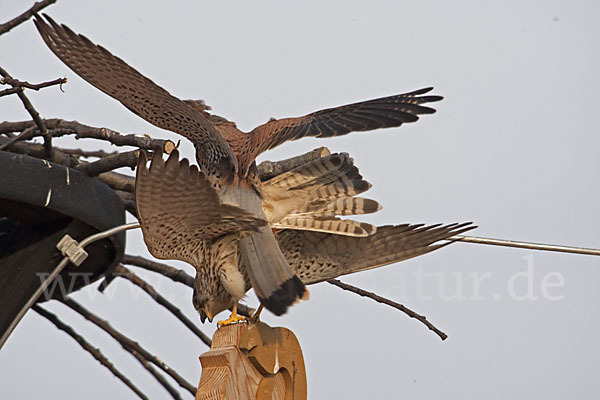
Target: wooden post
x: 253, y: 361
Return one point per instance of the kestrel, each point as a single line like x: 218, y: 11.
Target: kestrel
x: 225, y: 154
x: 182, y: 217
x: 321, y: 189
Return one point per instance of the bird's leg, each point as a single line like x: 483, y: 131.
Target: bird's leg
x: 233, y: 318
x: 256, y: 315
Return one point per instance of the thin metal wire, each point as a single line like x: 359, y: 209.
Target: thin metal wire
x: 109, y: 232
x: 526, y: 245
x: 63, y: 263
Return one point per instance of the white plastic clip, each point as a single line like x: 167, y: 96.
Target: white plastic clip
x: 69, y: 247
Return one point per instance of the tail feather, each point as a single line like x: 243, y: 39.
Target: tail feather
x: 341, y: 206
x: 310, y: 197
x: 343, y: 187
x: 269, y: 273
x: 328, y: 225
x: 321, y: 171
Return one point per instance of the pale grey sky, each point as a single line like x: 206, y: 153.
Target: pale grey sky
x: 514, y: 147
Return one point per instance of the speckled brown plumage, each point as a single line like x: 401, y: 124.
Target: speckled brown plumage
x: 317, y: 257
x: 179, y: 209
x: 225, y: 154
x: 214, y: 136
x: 183, y: 218
x: 182, y: 229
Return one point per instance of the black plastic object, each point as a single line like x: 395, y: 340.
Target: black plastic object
x: 40, y: 202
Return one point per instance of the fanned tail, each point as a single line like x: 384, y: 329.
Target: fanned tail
x: 310, y: 197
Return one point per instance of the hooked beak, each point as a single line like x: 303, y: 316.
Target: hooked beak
x: 205, y: 314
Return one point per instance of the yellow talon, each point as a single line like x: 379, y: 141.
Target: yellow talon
x: 234, y: 318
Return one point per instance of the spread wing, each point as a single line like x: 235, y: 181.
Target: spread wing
x: 385, y: 112
x: 139, y: 94
x: 179, y: 210
x: 316, y: 256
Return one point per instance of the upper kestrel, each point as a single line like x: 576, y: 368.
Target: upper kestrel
x: 225, y: 154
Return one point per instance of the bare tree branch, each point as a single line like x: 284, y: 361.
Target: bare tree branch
x: 136, y: 280
x: 177, y: 275
x: 17, y: 84
x: 95, y: 352
x: 25, y: 135
x: 383, y: 300
x: 60, y: 127
x: 35, y: 115
x: 108, y: 163
x: 157, y: 375
x: 113, y: 179
x: 88, y: 154
x: 270, y: 169
x: 127, y: 343
x: 7, y: 26
x: 8, y: 91
x: 37, y: 150
x: 118, y: 181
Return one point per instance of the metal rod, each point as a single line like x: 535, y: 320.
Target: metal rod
x: 526, y: 245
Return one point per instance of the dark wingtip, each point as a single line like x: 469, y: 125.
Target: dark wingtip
x: 39, y: 22
x: 291, y: 290
x: 427, y: 99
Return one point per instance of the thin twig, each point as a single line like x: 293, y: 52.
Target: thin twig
x: 177, y: 275
x: 127, y: 343
x: 157, y: 375
x: 95, y: 352
x: 35, y: 115
x: 88, y: 154
x: 17, y: 84
x: 7, y: 26
x: 149, y: 289
x: 9, y: 91
x: 26, y: 134
x: 526, y: 245
x: 108, y: 163
x: 383, y: 300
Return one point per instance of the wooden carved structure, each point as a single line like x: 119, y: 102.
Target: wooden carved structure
x: 253, y: 361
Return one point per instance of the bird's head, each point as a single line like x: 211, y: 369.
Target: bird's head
x: 208, y: 306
